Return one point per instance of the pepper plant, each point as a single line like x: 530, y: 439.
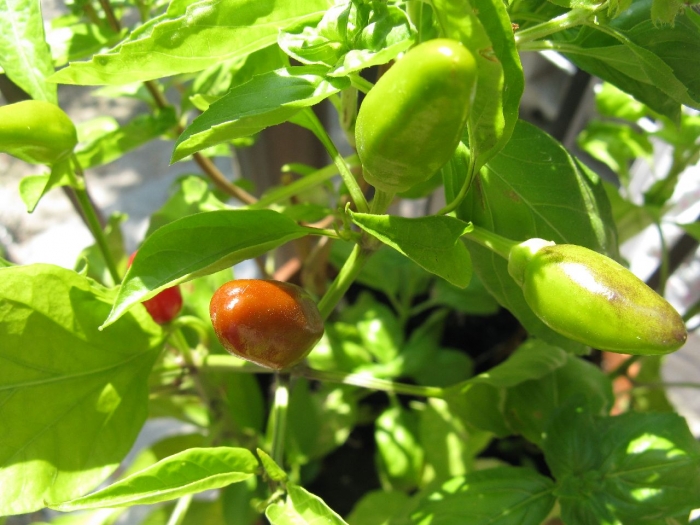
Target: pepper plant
x: 513, y: 428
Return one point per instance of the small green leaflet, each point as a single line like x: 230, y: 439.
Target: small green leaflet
x: 188, y: 472
x: 302, y: 507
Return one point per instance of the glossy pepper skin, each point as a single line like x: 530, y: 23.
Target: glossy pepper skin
x: 411, y: 121
x: 165, y: 306
x: 590, y: 298
x: 270, y: 323
x: 37, y: 132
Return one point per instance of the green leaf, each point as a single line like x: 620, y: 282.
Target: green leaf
x: 450, y: 446
x: 192, y: 195
x: 484, y: 27
x: 652, y: 63
x: 650, y: 398
x: 24, y: 54
x: 76, y: 40
x: 497, y: 496
x: 535, y: 188
x: 616, y: 145
x: 577, y: 4
x: 302, y: 507
x: 111, y: 146
x: 189, y: 472
x: 377, y: 507
x: 613, y: 102
x: 386, y: 34
x: 272, y: 469
x: 216, y: 80
x: 472, y: 300
x: 351, y: 36
x: 33, y: 187
x: 379, y: 329
x: 184, y: 41
x: 529, y: 405
x: 692, y: 229
x: 623, y: 469
x: 434, y: 243
x: 400, y: 455
x: 319, y: 421
x: 75, y: 397
x: 341, y: 348
x: 199, y: 245
x: 629, y: 218
x: 266, y: 100
x: 479, y: 401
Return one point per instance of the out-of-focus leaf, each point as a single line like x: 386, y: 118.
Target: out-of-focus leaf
x: 497, y: 496
x: 400, y: 455
x: 111, y: 146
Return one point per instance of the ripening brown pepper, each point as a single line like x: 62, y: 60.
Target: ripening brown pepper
x: 270, y: 323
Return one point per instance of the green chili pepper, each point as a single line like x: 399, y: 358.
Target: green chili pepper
x: 592, y: 299
x: 411, y: 121
x: 37, y: 132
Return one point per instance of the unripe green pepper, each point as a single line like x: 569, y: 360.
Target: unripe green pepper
x: 592, y: 299
x: 36, y: 131
x: 411, y: 121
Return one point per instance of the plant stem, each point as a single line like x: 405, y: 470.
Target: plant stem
x: 178, y: 340
x: 492, y: 241
x: 348, y: 178
x: 206, y: 165
x: 572, y: 18
x: 94, y: 222
x: 323, y: 232
x: 180, y: 510
x: 111, y: 18
x: 278, y: 417
x: 366, y: 380
x: 345, y: 278
x: 360, y: 83
x: 381, y: 201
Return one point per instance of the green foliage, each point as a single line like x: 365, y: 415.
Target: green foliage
x: 447, y: 407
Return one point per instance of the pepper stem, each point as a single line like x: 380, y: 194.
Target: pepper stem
x: 491, y: 240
